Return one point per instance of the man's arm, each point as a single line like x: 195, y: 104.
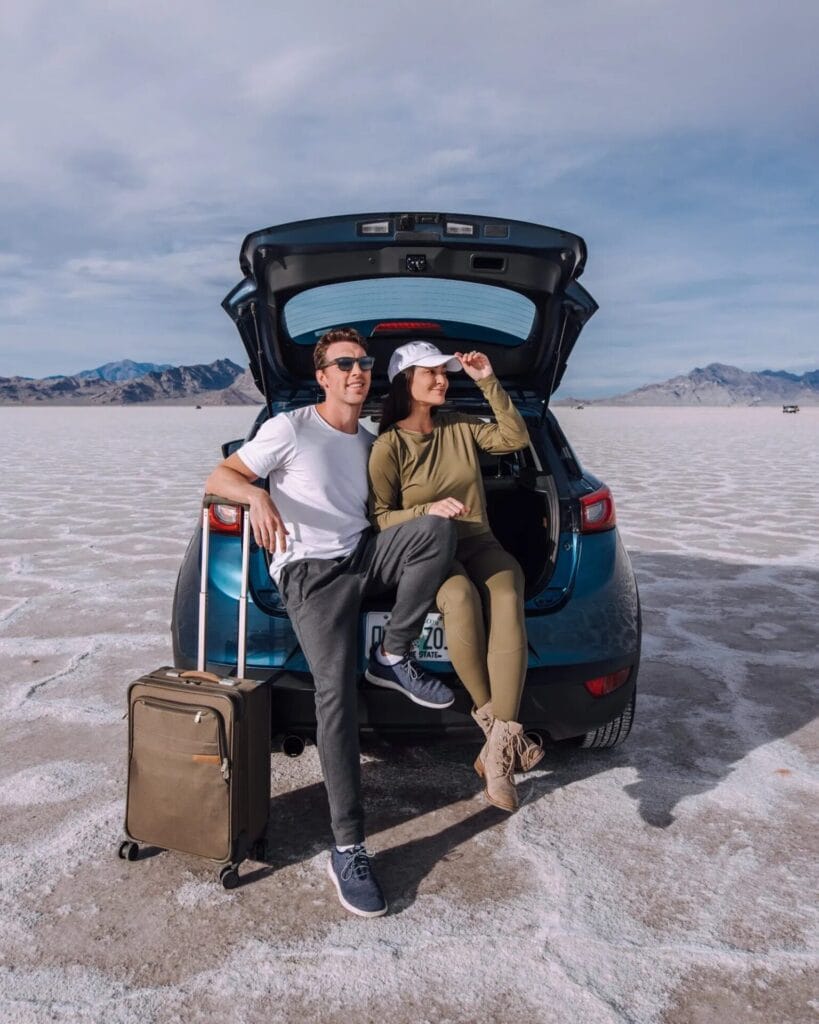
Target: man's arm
x: 234, y: 480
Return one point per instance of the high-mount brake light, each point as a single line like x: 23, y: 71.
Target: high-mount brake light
x: 375, y: 227
x: 453, y: 227
x: 597, y: 511
x: 388, y: 326
x: 602, y: 685
x: 225, y: 519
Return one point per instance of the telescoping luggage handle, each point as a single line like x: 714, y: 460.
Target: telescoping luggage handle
x: 244, y: 515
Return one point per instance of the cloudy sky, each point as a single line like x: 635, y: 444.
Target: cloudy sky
x: 139, y: 143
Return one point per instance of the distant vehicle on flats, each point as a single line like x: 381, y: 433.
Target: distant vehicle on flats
x: 508, y: 289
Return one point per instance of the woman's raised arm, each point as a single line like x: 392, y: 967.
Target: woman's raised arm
x: 508, y: 433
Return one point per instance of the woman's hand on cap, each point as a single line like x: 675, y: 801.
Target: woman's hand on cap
x: 475, y: 364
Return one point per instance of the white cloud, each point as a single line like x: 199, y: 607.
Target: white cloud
x: 276, y: 81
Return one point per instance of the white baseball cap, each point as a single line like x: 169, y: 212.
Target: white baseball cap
x: 419, y: 353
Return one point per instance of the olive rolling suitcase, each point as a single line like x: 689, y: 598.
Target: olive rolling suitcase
x: 199, y: 751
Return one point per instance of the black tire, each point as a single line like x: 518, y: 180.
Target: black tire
x: 128, y: 850
x: 229, y: 877
x: 613, y: 733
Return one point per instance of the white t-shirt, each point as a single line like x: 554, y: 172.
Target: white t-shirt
x: 318, y: 481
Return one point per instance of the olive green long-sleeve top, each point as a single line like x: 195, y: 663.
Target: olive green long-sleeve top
x: 409, y: 471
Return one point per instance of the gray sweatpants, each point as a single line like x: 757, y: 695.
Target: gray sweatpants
x: 323, y: 598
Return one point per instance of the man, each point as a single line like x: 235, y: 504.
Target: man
x: 324, y: 559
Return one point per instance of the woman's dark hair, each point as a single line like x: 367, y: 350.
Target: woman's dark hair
x: 396, y: 403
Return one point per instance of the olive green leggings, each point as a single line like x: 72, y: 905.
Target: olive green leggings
x: 486, y: 586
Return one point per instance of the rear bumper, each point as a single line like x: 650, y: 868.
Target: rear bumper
x: 555, y: 703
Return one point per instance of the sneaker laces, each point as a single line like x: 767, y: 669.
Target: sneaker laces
x: 414, y: 670
x: 357, y: 865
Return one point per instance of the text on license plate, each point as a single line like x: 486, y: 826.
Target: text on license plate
x: 430, y: 645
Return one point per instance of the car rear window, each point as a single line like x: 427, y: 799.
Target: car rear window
x: 463, y: 309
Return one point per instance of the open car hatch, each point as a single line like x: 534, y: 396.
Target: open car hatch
x: 503, y: 287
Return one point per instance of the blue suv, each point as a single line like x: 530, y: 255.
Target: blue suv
x: 509, y: 289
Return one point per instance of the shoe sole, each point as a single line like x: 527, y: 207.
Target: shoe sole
x: 388, y: 684
x: 500, y: 806
x: 349, y: 906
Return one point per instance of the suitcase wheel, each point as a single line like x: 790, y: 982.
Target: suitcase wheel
x: 128, y: 850
x: 229, y: 876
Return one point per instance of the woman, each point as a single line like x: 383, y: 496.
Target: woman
x: 425, y: 462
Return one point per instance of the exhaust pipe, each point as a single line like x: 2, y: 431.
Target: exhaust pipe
x: 293, y: 746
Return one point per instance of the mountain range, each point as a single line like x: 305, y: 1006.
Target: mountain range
x: 125, y: 369
x: 220, y: 383
x: 226, y: 383
x: 719, y: 384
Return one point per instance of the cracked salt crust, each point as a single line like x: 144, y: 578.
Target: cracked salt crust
x: 660, y: 883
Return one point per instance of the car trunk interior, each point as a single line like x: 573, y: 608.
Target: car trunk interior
x: 524, y: 515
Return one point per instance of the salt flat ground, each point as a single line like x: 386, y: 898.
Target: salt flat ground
x: 671, y: 880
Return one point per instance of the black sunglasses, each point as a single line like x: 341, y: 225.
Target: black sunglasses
x: 346, y: 363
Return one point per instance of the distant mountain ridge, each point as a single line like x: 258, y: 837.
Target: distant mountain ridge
x: 720, y: 384
x: 124, y: 369
x: 222, y: 382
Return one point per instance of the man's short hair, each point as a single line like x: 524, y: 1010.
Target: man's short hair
x: 330, y: 338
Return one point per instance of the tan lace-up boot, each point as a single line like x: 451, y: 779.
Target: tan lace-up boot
x: 498, y: 765
x: 528, y: 745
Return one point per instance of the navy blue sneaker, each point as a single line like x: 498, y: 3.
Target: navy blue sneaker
x: 410, y: 679
x: 352, y: 875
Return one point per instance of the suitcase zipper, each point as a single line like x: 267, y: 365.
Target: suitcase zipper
x: 199, y: 713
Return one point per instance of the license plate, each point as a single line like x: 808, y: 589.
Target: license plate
x: 430, y: 645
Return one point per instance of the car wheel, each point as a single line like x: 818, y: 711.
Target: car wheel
x: 613, y: 733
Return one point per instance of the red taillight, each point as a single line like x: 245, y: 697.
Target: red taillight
x: 602, y: 685
x: 597, y: 511
x: 225, y: 519
x: 405, y: 325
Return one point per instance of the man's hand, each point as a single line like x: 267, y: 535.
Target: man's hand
x: 269, y: 530
x: 475, y: 364
x: 448, y: 508
x: 232, y: 479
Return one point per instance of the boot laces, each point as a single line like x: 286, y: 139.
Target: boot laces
x: 526, y: 744
x: 507, y: 754
x: 523, y: 746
